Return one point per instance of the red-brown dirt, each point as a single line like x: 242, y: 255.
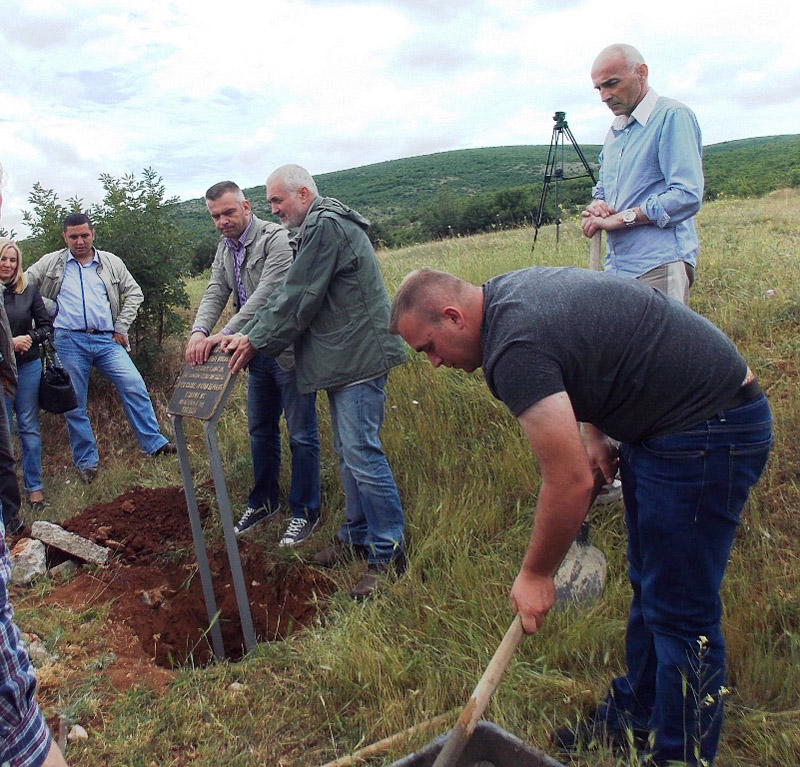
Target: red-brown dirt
x: 153, y: 584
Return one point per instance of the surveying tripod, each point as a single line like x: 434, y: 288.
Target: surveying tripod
x: 554, y: 170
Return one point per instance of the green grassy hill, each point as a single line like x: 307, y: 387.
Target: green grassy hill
x: 403, y: 197
x: 751, y: 167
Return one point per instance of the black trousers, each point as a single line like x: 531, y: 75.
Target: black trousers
x: 9, y: 487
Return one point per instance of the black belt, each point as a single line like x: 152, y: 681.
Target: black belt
x: 90, y: 331
x: 744, y: 395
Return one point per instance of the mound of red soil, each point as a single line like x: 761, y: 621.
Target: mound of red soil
x: 153, y: 585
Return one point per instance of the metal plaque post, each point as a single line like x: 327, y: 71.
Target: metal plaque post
x: 201, y: 392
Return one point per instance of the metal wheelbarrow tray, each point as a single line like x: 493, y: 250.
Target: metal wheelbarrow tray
x: 489, y: 746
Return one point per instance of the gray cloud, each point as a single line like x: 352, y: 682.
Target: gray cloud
x: 38, y: 32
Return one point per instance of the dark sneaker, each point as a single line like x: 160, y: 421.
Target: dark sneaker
x: 166, y: 449
x: 594, y: 733
x: 13, y: 525
x: 252, y: 517
x: 338, y: 553
x: 38, y: 507
x: 377, y: 576
x: 299, y: 529
x: 88, y: 475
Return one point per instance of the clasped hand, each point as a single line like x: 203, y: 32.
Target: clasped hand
x: 593, y: 217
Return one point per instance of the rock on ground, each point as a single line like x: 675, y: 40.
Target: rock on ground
x: 57, y: 536
x: 28, y: 561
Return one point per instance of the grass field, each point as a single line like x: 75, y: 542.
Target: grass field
x: 468, y: 483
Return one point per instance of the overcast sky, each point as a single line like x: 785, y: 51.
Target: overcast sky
x: 204, y: 91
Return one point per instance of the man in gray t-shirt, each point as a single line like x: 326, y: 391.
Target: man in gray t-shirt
x: 560, y: 346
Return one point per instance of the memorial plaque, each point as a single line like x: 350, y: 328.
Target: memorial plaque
x: 201, y: 388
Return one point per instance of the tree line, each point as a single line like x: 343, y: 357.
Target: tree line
x: 163, y: 240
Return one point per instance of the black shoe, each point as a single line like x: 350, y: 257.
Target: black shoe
x: 337, y: 553
x: 166, y: 449
x: 298, y: 530
x: 253, y: 516
x: 593, y: 732
x: 88, y: 475
x: 13, y: 524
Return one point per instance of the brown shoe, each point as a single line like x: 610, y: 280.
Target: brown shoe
x: 377, y: 576
x: 337, y: 553
x: 369, y: 585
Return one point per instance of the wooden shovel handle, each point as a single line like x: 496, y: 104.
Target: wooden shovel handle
x: 594, y: 251
x: 465, y: 726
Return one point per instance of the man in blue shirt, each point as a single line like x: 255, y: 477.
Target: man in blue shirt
x: 95, y: 300
x: 651, y: 178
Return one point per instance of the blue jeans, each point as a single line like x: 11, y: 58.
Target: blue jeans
x: 26, y: 405
x: 270, y: 390
x: 373, y: 514
x: 78, y: 352
x: 683, y: 496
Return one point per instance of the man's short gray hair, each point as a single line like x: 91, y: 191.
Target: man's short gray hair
x: 295, y: 177
x: 631, y: 55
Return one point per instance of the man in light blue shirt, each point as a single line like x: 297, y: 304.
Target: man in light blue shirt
x: 95, y: 300
x: 651, y: 178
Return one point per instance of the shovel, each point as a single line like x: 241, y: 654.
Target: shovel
x: 465, y: 726
x: 473, y: 711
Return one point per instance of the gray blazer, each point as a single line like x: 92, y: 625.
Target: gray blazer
x: 267, y: 258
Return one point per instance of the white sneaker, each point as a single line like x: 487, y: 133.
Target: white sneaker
x: 299, y: 529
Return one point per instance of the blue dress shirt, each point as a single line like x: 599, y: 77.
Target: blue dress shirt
x: 654, y: 160
x: 82, y: 300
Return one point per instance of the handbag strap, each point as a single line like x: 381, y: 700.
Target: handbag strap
x: 49, y: 355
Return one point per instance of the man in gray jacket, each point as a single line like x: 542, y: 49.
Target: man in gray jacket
x: 334, y: 308
x: 94, y: 300
x: 252, y: 259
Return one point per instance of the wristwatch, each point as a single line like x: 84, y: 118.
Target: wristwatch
x: 629, y: 217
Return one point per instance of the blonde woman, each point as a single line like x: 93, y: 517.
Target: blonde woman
x: 30, y: 325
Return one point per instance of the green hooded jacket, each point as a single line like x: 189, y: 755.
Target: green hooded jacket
x: 332, y: 305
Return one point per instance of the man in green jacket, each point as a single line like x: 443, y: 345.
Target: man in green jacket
x: 334, y: 308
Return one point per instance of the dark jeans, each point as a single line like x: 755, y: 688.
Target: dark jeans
x: 271, y: 390
x: 9, y: 487
x: 683, y: 496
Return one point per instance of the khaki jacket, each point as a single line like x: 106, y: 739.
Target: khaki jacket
x: 124, y: 294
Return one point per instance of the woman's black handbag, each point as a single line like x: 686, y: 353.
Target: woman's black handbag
x: 56, y: 394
